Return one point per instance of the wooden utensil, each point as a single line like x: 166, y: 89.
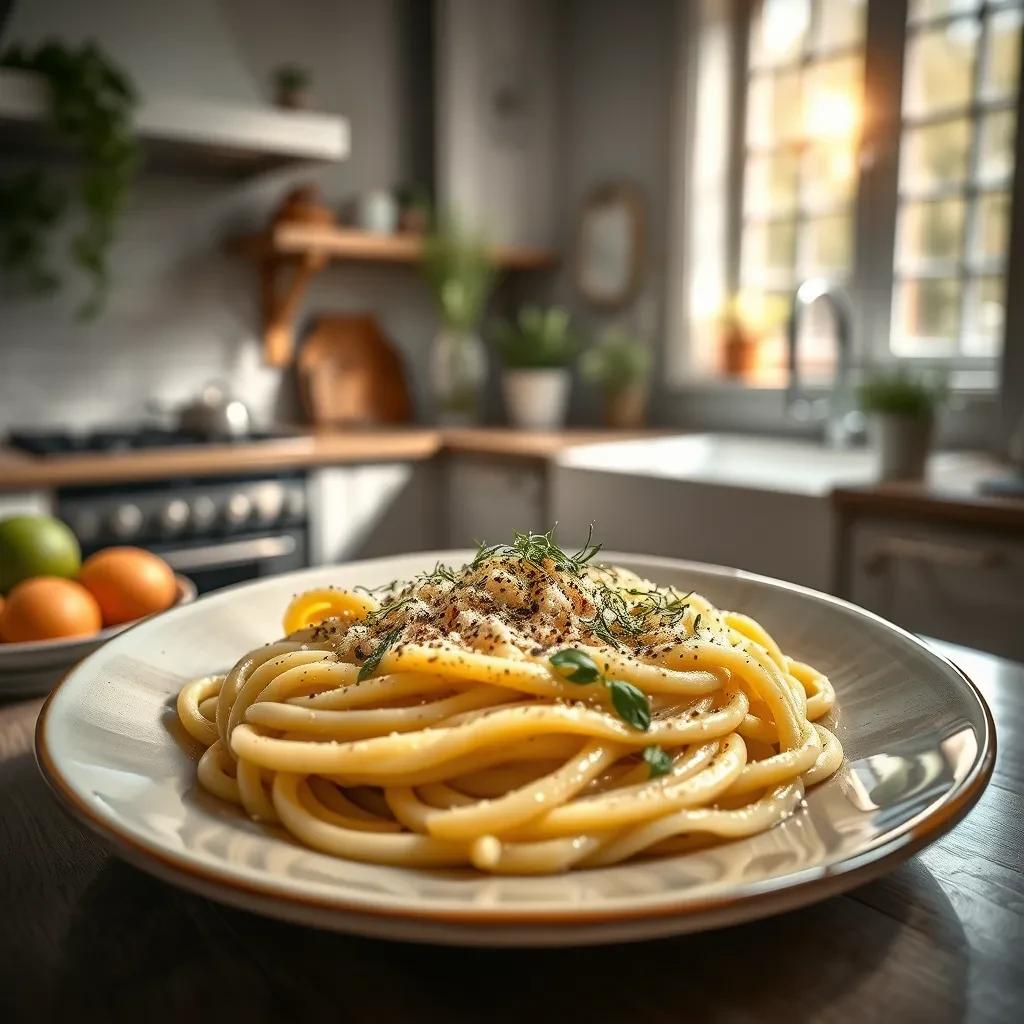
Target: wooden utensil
x: 350, y: 373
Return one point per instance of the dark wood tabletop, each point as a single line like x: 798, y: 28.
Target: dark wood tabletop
x: 84, y: 936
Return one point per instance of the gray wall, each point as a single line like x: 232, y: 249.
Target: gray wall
x: 617, y: 68
x: 182, y: 311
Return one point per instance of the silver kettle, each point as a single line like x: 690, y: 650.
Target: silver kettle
x: 215, y: 413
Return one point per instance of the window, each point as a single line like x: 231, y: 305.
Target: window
x: 875, y: 148
x: 956, y: 164
x: 804, y: 95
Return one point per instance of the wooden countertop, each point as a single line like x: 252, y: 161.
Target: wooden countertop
x: 953, y: 496
x: 320, y: 448
x: 84, y: 936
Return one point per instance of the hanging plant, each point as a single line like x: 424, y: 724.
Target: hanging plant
x: 91, y: 105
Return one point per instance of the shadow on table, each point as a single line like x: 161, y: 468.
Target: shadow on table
x: 137, y: 946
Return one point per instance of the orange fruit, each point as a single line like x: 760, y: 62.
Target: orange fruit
x: 48, y: 607
x: 128, y: 583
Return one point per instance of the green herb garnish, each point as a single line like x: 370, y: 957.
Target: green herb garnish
x: 576, y: 666
x: 657, y: 761
x: 631, y: 704
x: 372, y: 663
x: 536, y: 548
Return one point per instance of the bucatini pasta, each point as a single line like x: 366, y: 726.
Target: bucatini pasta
x: 527, y: 713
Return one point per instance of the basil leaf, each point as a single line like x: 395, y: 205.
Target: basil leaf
x: 576, y: 666
x: 372, y: 663
x: 657, y: 760
x: 631, y: 704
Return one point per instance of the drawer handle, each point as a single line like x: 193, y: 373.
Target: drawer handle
x: 932, y: 553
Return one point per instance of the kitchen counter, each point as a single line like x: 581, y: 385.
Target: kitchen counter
x: 951, y: 496
x: 306, y: 449
x: 85, y: 936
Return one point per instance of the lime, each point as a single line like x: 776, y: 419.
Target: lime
x: 36, y: 546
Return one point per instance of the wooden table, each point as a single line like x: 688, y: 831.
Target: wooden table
x: 84, y: 936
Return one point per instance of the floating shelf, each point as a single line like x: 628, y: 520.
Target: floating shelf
x: 292, y: 254
x: 188, y: 131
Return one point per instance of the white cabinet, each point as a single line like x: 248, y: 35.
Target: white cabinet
x: 487, y: 498
x: 965, y: 585
x: 364, y: 511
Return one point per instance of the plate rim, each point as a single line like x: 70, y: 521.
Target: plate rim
x: 799, y: 888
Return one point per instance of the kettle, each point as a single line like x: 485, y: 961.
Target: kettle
x: 214, y: 413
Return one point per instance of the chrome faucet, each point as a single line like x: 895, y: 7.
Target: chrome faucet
x: 844, y: 424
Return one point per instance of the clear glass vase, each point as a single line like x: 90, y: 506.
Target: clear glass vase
x: 458, y: 369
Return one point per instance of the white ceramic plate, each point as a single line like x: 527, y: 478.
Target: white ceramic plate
x: 35, y: 666
x: 919, y: 741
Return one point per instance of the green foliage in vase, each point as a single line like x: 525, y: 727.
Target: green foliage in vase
x: 460, y: 271
x: 902, y: 392
x: 539, y: 339
x: 618, y: 362
x: 91, y: 106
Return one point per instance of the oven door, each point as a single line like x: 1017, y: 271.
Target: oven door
x: 212, y: 564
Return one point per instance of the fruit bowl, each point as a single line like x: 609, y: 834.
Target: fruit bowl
x: 35, y: 666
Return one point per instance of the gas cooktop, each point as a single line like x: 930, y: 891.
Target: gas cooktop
x: 64, y: 442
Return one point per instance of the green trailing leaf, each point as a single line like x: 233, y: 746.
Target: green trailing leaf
x: 576, y: 666
x: 657, y: 761
x: 91, y: 107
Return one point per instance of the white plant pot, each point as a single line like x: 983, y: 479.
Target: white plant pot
x: 536, y: 399
x: 901, y: 445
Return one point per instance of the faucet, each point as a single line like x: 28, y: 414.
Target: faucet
x: 844, y: 424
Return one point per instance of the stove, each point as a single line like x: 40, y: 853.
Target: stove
x: 123, y: 439
x: 217, y: 530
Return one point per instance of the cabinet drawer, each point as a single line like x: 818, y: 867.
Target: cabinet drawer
x: 964, y: 586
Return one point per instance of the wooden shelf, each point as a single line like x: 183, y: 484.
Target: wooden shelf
x: 290, y: 255
x: 297, y: 240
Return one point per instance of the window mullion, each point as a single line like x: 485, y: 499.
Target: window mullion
x: 877, y: 194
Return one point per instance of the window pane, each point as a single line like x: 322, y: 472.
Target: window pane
x: 778, y: 33
x: 927, y: 309
x: 840, y: 23
x: 1002, y: 60
x: 829, y: 175
x: 771, y: 184
x: 825, y: 245
x: 930, y: 232
x: 935, y: 155
x: 773, y: 108
x: 992, y: 228
x: 998, y: 131
x: 768, y: 250
x: 922, y: 9
x: 832, y: 107
x: 986, y: 316
x: 938, y: 68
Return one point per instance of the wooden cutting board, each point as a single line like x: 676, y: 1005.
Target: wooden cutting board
x: 349, y: 373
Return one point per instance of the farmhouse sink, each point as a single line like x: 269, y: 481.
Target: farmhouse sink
x: 757, y: 503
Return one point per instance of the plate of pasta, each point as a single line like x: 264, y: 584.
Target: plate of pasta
x: 520, y: 745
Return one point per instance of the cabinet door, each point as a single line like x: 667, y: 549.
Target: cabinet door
x: 487, y: 499
x: 965, y: 586
x: 365, y: 511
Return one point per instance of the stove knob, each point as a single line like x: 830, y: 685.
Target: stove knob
x: 296, y: 504
x: 85, y: 525
x: 174, y: 517
x: 238, y: 509
x: 203, y: 513
x: 269, y: 502
x: 126, y: 521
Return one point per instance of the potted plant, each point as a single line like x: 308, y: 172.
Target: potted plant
x: 739, y: 337
x: 292, y: 87
x: 901, y: 407
x: 459, y: 268
x: 621, y: 366
x: 92, y: 102
x: 537, y: 352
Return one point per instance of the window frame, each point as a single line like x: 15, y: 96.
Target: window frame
x: 874, y: 274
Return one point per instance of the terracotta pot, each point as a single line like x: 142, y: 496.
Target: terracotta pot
x: 739, y: 351
x: 626, y: 408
